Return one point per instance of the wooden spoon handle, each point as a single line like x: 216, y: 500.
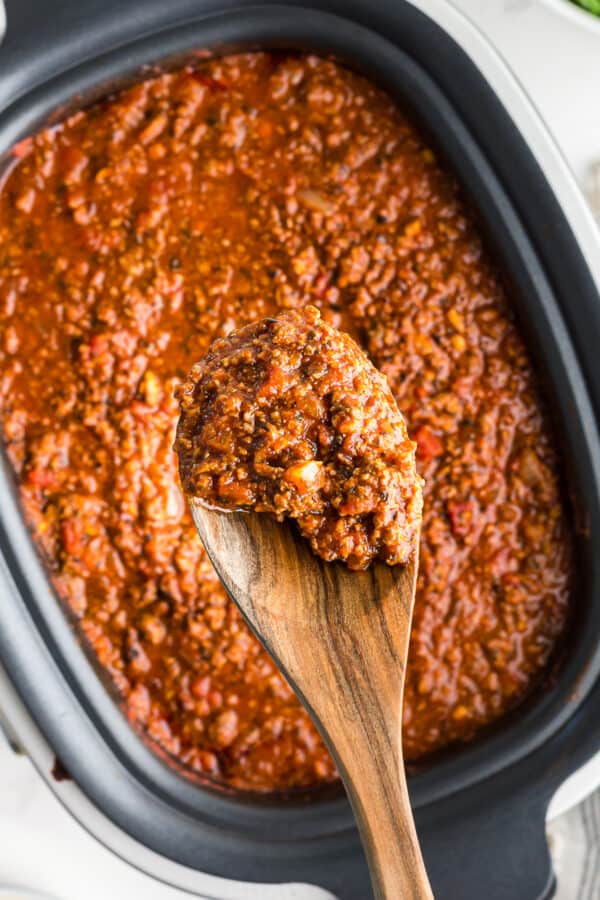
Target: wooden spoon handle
x: 342, y: 639
x: 355, y: 682
x: 348, y: 665
x: 384, y: 816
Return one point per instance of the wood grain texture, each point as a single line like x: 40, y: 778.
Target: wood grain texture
x: 341, y: 638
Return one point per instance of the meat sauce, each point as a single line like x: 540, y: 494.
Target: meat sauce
x: 288, y: 416
x: 141, y: 229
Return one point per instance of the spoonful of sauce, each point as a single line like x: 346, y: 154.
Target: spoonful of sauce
x: 302, y: 483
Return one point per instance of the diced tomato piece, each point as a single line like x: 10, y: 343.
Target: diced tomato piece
x: 460, y: 513
x: 237, y: 493
x: 98, y: 344
x: 22, y: 148
x: 321, y: 283
x: 42, y: 478
x: 72, y: 536
x: 275, y: 384
x: 428, y: 444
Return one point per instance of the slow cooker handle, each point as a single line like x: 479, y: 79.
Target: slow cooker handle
x: 489, y: 847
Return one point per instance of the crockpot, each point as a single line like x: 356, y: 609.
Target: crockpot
x: 480, y: 809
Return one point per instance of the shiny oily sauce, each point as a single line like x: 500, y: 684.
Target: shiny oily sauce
x: 288, y: 416
x: 141, y: 229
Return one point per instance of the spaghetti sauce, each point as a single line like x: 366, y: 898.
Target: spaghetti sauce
x: 138, y: 231
x: 288, y: 416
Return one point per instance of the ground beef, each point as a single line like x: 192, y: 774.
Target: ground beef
x: 288, y: 416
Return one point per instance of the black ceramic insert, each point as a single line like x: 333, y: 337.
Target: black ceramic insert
x: 480, y: 811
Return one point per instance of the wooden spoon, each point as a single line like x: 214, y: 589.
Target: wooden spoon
x: 341, y: 638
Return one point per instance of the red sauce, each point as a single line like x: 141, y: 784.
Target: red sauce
x: 138, y: 231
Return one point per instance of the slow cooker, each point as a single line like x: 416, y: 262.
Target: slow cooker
x: 481, y: 809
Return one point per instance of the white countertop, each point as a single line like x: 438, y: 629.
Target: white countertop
x: 558, y: 63
x: 41, y: 846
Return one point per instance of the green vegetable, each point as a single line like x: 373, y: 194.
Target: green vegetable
x: 592, y: 6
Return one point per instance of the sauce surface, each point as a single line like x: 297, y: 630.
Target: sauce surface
x: 137, y: 232
x: 288, y: 416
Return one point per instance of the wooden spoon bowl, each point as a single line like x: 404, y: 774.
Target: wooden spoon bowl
x: 341, y: 638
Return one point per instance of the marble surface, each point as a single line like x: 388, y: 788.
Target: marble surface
x: 558, y: 63
x: 575, y: 845
x: 41, y: 846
